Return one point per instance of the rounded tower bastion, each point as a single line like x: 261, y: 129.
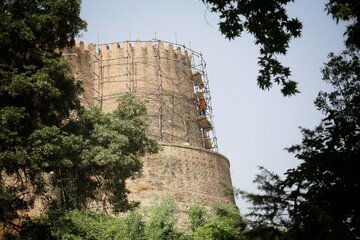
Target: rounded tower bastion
x: 172, y: 79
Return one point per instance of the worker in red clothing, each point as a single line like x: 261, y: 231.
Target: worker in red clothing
x: 202, y: 106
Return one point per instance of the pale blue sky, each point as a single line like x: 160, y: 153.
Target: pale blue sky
x: 252, y: 126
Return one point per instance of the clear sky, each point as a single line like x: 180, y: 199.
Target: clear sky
x: 252, y: 126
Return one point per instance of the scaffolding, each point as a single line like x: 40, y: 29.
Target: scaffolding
x: 202, y: 91
x: 164, y: 92
x: 98, y: 80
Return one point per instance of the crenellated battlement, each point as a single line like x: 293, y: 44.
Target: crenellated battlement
x: 136, y: 48
x: 81, y: 46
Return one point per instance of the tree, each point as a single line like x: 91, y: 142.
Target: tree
x: 224, y: 222
x: 271, y: 206
x: 347, y: 10
x: 159, y: 221
x: 322, y: 191
x: 330, y: 154
x: 320, y: 196
x: 269, y: 214
x: 101, y: 151
x: 197, y: 215
x: 273, y: 29
x: 36, y: 92
x: 49, y: 145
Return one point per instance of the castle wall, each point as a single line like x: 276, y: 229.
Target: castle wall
x: 163, y: 77
x: 189, y: 174
x: 157, y: 73
x: 82, y: 67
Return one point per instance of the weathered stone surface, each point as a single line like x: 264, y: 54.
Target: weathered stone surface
x: 163, y: 76
x: 189, y: 174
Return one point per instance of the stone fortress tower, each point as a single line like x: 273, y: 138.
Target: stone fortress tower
x: 173, y: 80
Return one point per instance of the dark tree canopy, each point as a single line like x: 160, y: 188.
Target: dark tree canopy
x: 321, y: 195
x: 50, y: 147
x: 330, y: 156
x: 31, y: 28
x: 347, y: 10
x: 272, y: 28
x: 269, y: 208
x: 36, y: 92
x: 318, y: 199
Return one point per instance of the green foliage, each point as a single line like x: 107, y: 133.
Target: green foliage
x: 224, y: 223
x: 161, y: 218
x: 270, y: 207
x: 273, y: 29
x: 266, y: 232
x: 269, y: 216
x: 328, y: 200
x: 133, y: 227
x: 110, y: 146
x: 30, y: 28
x: 34, y: 229
x: 37, y: 95
x: 86, y: 225
x: 158, y: 222
x: 347, y: 10
x: 321, y: 194
x: 95, y: 152
x: 197, y: 215
x: 269, y: 23
x: 50, y: 147
x: 72, y: 224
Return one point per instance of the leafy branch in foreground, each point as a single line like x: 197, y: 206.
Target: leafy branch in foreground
x: 320, y: 196
x: 269, y: 23
x: 273, y: 29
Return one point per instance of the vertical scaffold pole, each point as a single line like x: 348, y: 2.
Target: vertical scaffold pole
x: 207, y: 96
x: 160, y: 89
x: 98, y: 74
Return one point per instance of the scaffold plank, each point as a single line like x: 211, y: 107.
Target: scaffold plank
x: 198, y: 79
x: 207, y: 143
x: 204, y: 123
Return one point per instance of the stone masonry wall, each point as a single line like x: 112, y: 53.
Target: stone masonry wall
x: 162, y: 76
x: 159, y: 74
x: 82, y: 67
x: 189, y: 174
